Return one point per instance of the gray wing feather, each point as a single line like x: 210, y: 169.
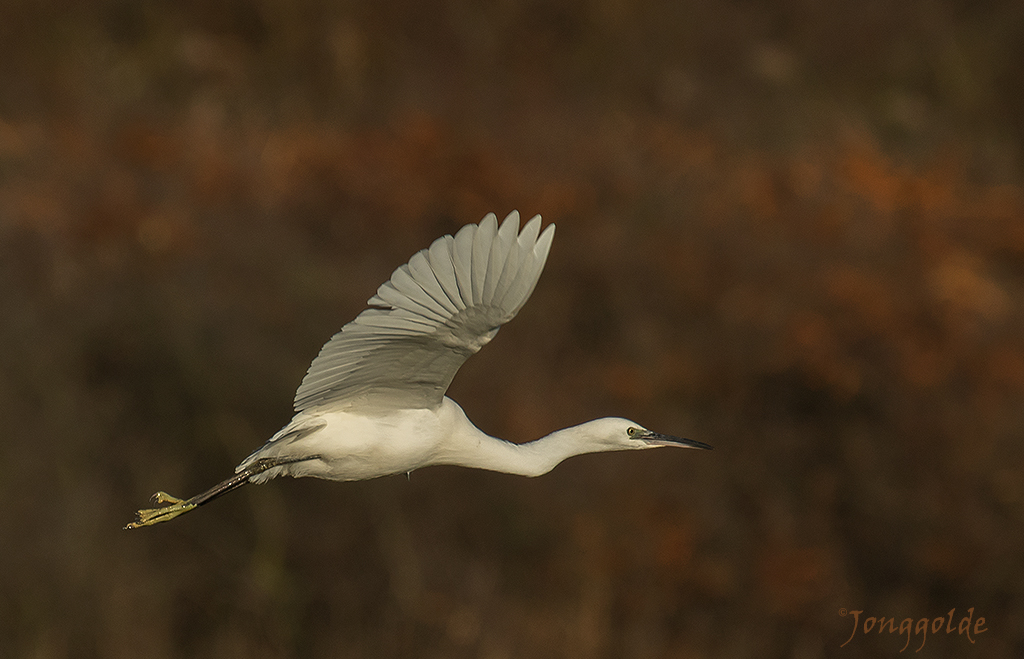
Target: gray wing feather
x: 437, y: 310
x: 441, y: 265
x: 500, y: 249
x: 407, y: 288
x: 462, y: 257
x: 419, y: 269
x: 482, y: 241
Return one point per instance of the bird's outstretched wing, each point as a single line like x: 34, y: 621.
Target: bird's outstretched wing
x: 435, y: 311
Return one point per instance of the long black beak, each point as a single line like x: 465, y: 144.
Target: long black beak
x: 657, y: 439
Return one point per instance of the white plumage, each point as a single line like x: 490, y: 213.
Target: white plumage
x: 372, y: 402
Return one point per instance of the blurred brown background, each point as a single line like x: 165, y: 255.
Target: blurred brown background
x: 793, y: 230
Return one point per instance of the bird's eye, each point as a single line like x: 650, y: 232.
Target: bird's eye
x: 631, y: 431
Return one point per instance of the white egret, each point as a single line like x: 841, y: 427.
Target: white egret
x: 372, y: 403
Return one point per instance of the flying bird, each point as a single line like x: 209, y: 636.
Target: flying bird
x: 373, y: 401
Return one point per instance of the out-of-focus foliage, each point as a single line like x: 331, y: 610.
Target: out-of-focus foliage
x: 793, y: 230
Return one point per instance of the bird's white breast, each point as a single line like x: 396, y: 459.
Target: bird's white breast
x: 360, y: 446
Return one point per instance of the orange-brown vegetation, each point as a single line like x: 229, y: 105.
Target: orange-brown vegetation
x: 795, y: 234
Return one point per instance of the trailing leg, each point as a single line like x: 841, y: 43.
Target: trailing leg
x: 176, y: 506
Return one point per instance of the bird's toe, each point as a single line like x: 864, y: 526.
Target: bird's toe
x: 162, y: 498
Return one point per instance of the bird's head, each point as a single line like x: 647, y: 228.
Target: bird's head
x: 617, y: 434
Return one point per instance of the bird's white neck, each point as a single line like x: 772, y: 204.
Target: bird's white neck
x: 473, y: 448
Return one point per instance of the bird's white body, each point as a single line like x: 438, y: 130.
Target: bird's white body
x: 373, y: 403
x: 353, y: 446
x: 356, y: 446
x: 360, y: 445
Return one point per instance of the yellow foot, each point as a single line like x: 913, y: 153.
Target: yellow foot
x: 151, y: 516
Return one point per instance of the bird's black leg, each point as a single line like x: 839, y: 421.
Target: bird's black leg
x: 176, y: 506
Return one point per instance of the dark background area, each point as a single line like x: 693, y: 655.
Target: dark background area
x: 793, y: 230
